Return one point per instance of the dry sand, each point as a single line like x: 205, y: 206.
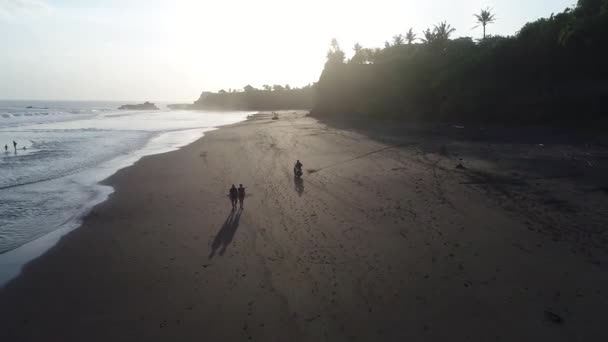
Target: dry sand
x: 383, y: 240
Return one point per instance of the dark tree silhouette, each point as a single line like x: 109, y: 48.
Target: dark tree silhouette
x: 443, y: 31
x: 361, y: 55
x: 429, y: 37
x: 335, y: 55
x: 484, y: 18
x: 268, y: 98
x: 410, y: 36
x: 554, y: 69
x: 398, y: 40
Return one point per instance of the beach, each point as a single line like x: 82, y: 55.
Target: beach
x: 63, y: 150
x: 438, y: 234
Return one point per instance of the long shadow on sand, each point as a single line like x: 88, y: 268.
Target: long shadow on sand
x: 299, y: 185
x: 226, y: 234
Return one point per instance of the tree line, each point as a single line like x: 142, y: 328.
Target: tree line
x: 250, y: 98
x: 554, y: 69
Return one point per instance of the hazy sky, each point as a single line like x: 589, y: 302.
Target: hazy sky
x: 173, y: 49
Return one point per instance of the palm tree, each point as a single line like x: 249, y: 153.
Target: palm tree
x: 398, y: 40
x: 429, y: 36
x: 443, y: 31
x: 484, y: 18
x: 410, y: 36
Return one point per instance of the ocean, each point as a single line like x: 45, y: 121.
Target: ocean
x: 64, y: 150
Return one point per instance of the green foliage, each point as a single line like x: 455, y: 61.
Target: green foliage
x: 360, y: 56
x: 484, y: 18
x: 269, y: 98
x: 398, y: 40
x: 429, y: 36
x: 410, y: 36
x: 443, y: 31
x: 335, y: 55
x: 553, y: 69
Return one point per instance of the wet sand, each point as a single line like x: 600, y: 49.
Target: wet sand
x: 391, y: 237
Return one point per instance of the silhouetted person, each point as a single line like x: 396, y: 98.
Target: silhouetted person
x: 241, y: 191
x: 297, y: 169
x: 233, y: 196
x: 15, y: 145
x: 5, y: 148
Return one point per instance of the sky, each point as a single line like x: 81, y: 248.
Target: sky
x: 172, y: 50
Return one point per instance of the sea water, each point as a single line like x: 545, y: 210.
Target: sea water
x: 70, y: 147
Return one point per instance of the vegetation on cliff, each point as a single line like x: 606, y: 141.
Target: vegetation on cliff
x: 250, y: 98
x: 553, y: 69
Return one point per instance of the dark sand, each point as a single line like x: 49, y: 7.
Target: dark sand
x: 383, y: 240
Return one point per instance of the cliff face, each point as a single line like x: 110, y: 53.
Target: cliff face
x: 201, y: 99
x: 142, y: 106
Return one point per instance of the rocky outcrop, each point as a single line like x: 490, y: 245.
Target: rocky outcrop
x: 142, y: 106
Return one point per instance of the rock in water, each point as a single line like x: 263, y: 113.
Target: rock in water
x: 142, y: 106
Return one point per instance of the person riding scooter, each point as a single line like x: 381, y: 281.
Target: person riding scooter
x: 297, y: 169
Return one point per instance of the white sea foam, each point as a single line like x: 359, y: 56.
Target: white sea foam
x: 47, y: 188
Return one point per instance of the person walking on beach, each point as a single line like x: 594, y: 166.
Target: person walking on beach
x: 5, y: 148
x: 15, y: 145
x: 233, y: 196
x: 241, y: 195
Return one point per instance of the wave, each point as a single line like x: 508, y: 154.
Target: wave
x: 48, y: 189
x: 16, y: 185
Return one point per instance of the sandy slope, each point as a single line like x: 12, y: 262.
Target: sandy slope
x: 382, y: 240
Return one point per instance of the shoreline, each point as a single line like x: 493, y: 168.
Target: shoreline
x: 379, y: 240
x: 13, y: 260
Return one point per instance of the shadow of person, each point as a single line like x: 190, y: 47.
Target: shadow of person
x: 299, y: 185
x: 226, y: 234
